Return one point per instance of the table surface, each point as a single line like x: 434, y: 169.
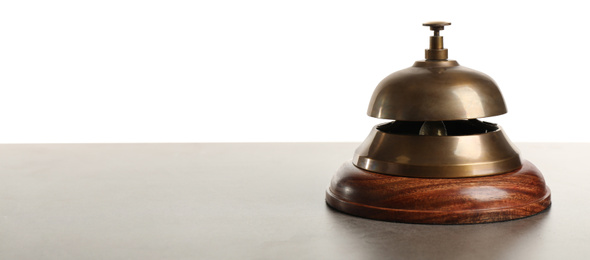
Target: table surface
x: 250, y: 201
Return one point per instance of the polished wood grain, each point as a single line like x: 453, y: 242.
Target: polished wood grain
x: 501, y: 197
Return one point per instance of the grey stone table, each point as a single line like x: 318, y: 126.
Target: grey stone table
x: 250, y: 201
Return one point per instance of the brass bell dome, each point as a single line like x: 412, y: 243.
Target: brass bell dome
x: 436, y: 89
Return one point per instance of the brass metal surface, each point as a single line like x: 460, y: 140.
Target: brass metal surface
x: 436, y: 50
x: 434, y: 156
x: 437, y: 24
x: 436, y: 54
x: 436, y: 91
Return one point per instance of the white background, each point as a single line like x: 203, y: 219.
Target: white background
x: 227, y: 71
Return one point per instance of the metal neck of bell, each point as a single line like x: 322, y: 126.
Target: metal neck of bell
x: 436, y: 52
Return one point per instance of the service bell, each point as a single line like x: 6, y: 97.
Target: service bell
x: 436, y: 162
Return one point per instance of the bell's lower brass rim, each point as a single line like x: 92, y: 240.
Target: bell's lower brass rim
x: 437, y: 156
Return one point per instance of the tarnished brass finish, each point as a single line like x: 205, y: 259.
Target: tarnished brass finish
x: 437, y: 25
x: 437, y: 54
x: 437, y: 156
x: 437, y: 50
x: 436, y: 42
x: 436, y: 91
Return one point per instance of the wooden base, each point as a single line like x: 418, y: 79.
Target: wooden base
x: 517, y: 194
